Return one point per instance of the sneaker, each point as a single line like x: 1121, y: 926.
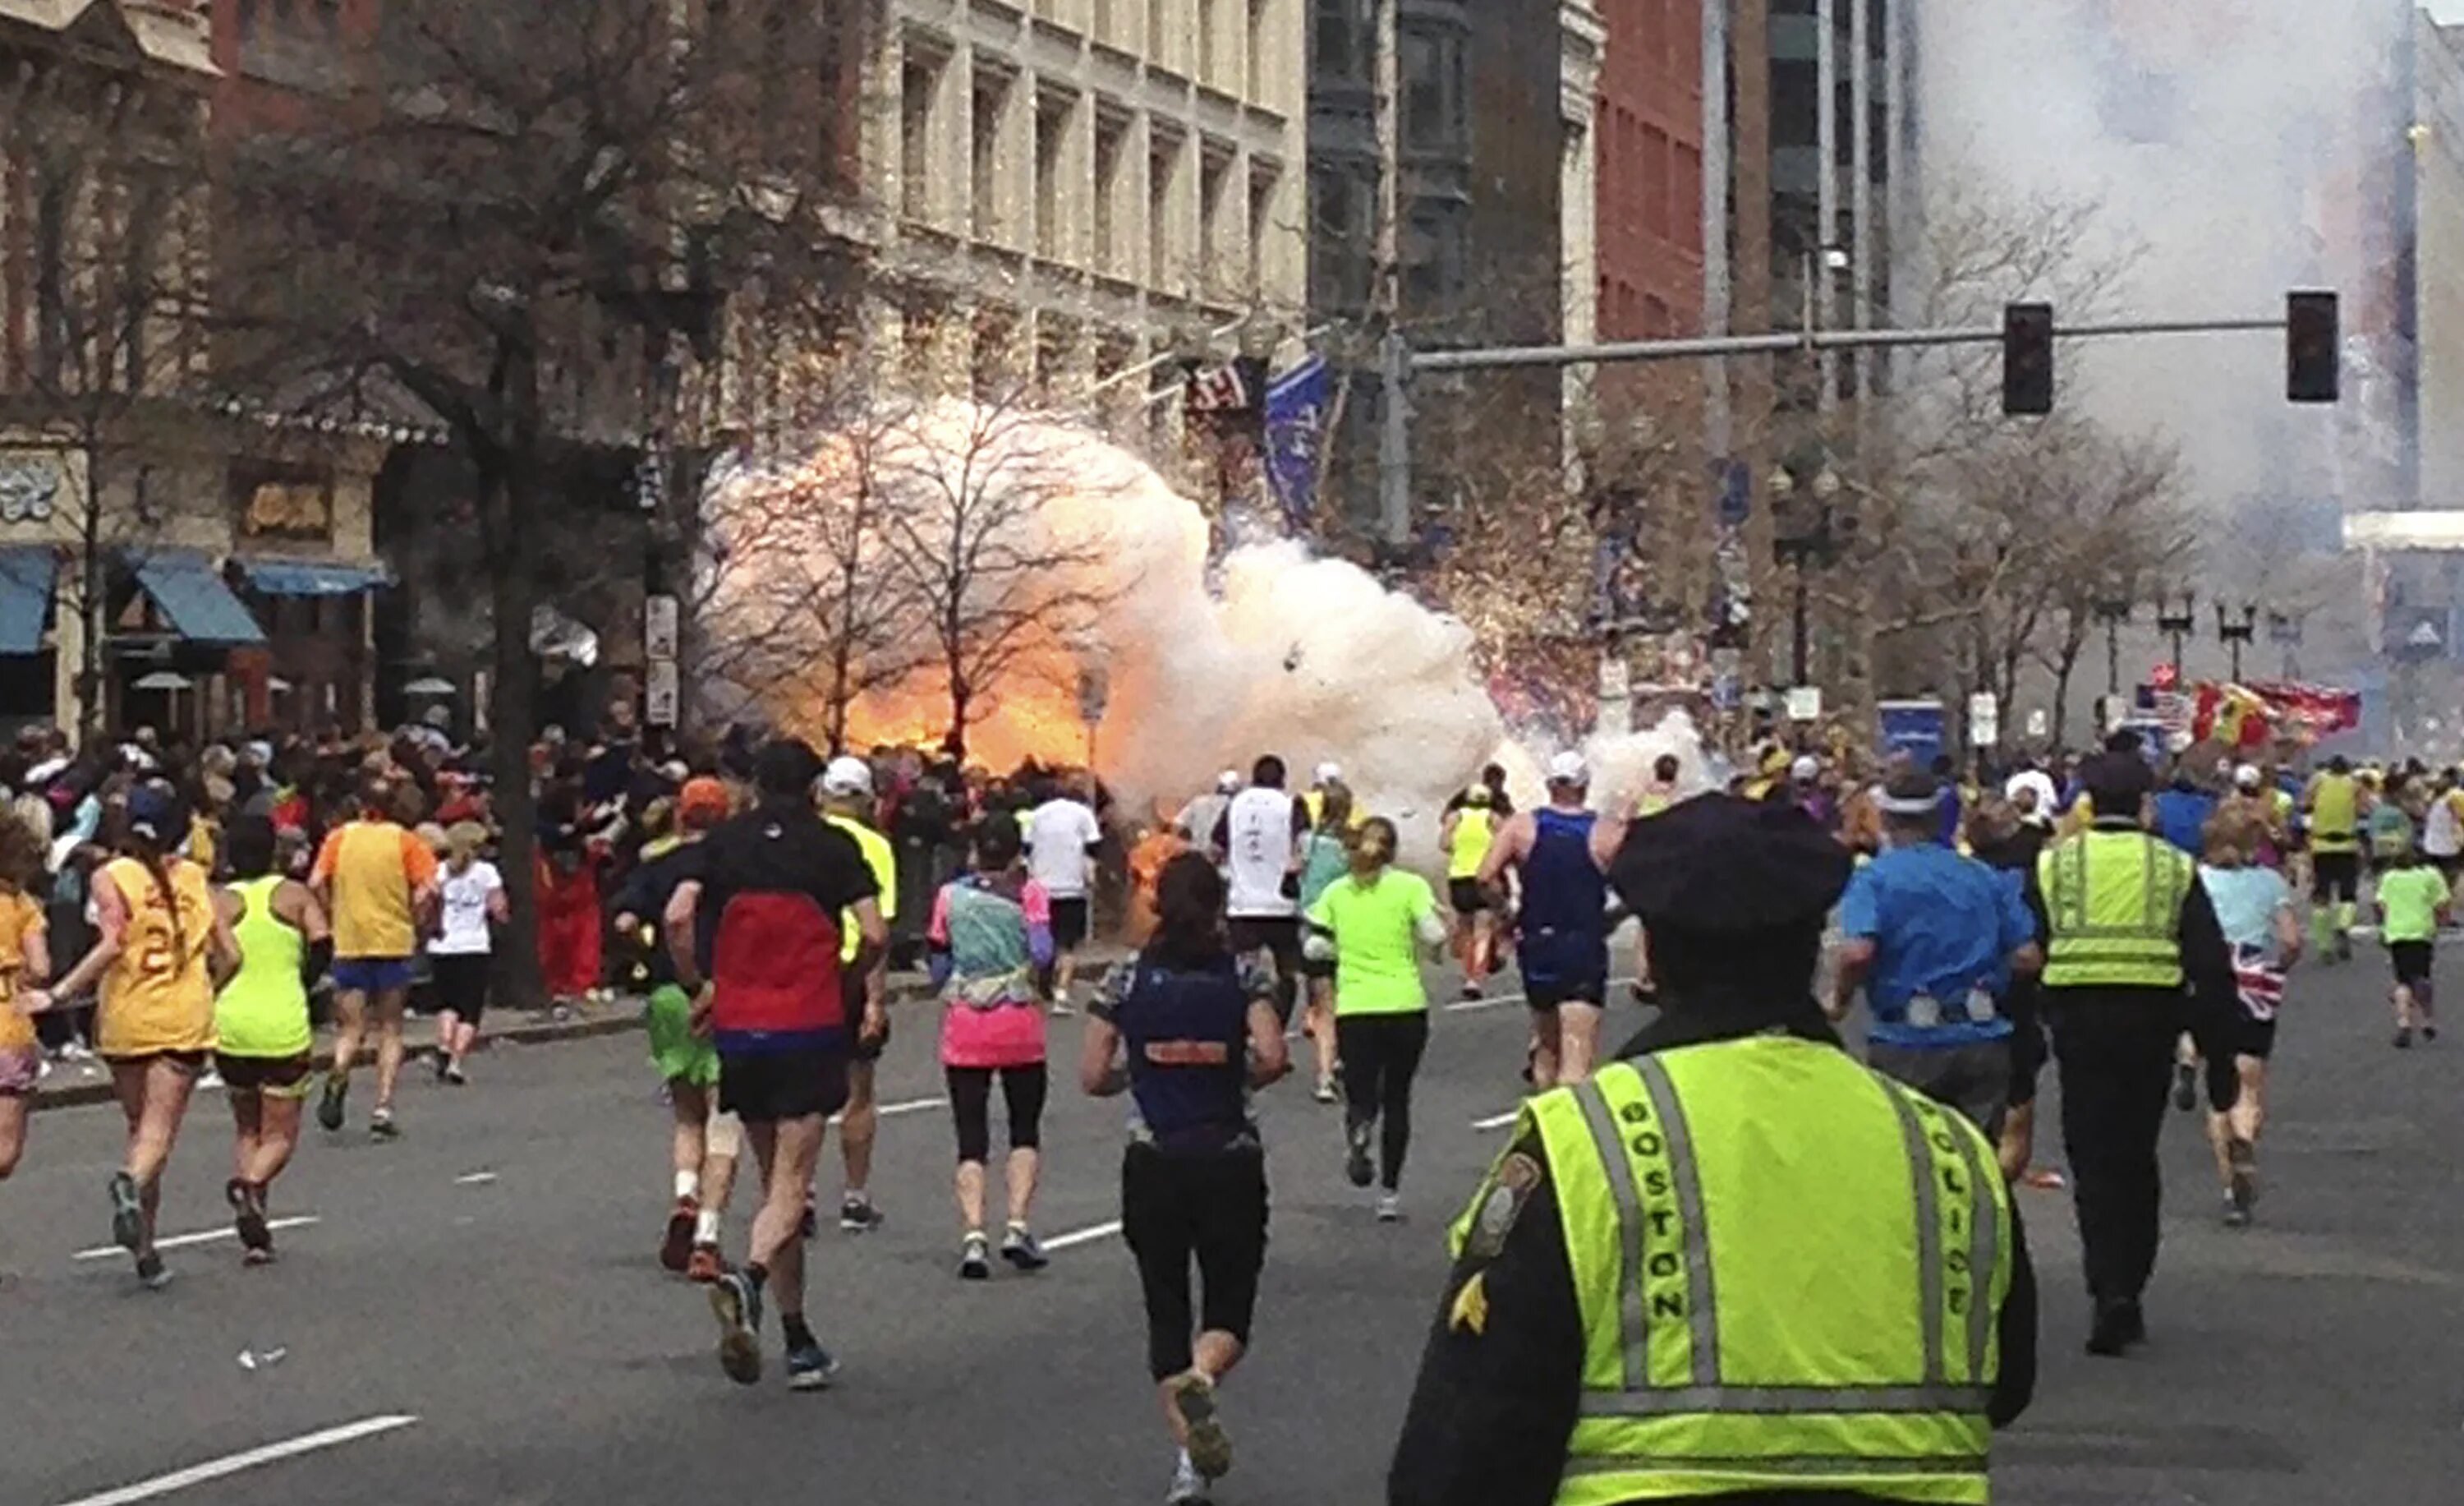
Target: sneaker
x: 2236, y: 1215
x: 209, y: 1080
x: 329, y: 1106
x: 1355, y: 1160
x: 1187, y: 1488
x: 810, y: 1367
x: 248, y: 1217
x: 2402, y: 1037
x: 127, y: 1212
x: 1325, y: 1092
x: 1390, y: 1207
x: 2186, y: 1087
x: 858, y: 1216
x: 810, y: 1224
x: 1021, y: 1249
x: 451, y: 1076
x: 704, y: 1265
x: 975, y: 1258
x: 737, y: 1303
x: 1470, y: 992
x: 2429, y: 1033
x: 1210, y: 1447
x: 1061, y: 1009
x: 2118, y: 1327
x: 381, y: 1127
x: 675, y: 1250
x: 444, y: 1066
x: 2243, y: 1190
x: 151, y: 1273
x: 77, y: 1051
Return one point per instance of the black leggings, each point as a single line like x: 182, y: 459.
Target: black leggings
x: 1206, y: 1205
x: 1381, y: 1054
x: 971, y: 1100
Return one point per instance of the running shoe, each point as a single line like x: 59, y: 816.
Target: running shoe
x: 704, y: 1266
x: 2236, y: 1216
x: 381, y: 1127
x: 2402, y: 1037
x: 1470, y: 992
x: 1187, y: 1489
x: 127, y: 1212
x: 248, y: 1217
x: 1210, y: 1447
x: 975, y: 1258
x: 1390, y: 1207
x: 810, y: 1224
x: 2185, y: 1086
x: 1325, y: 1091
x: 1355, y: 1160
x: 1061, y: 1009
x: 452, y: 1077
x: 2243, y: 1193
x: 737, y: 1303
x: 209, y: 1080
x: 2429, y: 1033
x: 810, y: 1367
x: 329, y: 1107
x: 858, y: 1216
x: 444, y: 1065
x: 675, y: 1250
x: 151, y: 1273
x: 1022, y: 1250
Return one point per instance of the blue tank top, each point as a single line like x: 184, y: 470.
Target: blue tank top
x: 1564, y: 892
x: 1187, y: 1039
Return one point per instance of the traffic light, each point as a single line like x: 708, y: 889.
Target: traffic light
x: 2028, y: 357
x: 2313, y: 347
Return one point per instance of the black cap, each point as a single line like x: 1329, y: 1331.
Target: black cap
x: 786, y: 766
x: 1720, y: 865
x: 2115, y: 780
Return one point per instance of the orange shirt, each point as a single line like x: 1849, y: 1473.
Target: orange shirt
x: 20, y: 917
x: 156, y: 994
x: 377, y: 872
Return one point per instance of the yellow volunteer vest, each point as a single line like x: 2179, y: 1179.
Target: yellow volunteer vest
x: 1789, y: 1269
x: 1475, y: 829
x: 2113, y: 899
x: 883, y: 860
x: 2335, y: 815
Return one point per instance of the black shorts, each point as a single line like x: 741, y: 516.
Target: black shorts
x: 1069, y: 923
x: 1208, y: 1208
x: 462, y: 983
x: 283, y: 1076
x: 1469, y: 895
x: 1278, y: 934
x: 193, y: 1063
x: 2412, y: 961
x: 766, y: 1087
x: 2336, y: 875
x: 1560, y: 968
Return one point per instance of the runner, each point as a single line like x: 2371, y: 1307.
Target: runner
x: 1374, y: 923
x: 25, y: 963
x: 160, y: 953
x: 1560, y: 856
x: 1329, y: 777
x: 1326, y: 854
x: 847, y: 804
x: 1061, y: 838
x: 462, y: 953
x: 2253, y: 908
x: 1190, y: 1031
x: 761, y: 922
x: 991, y: 937
x: 1259, y: 835
x: 2412, y: 900
x: 706, y: 1141
x: 378, y: 882
x: 2333, y: 805
x: 263, y: 1041
x: 1466, y: 834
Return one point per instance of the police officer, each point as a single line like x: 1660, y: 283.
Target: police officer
x: 2128, y: 929
x: 1735, y: 1263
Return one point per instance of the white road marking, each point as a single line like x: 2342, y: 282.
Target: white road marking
x: 235, y: 1464
x: 207, y: 1237
x: 1082, y: 1236
x: 475, y: 1179
x: 1497, y: 1121
x: 911, y: 1106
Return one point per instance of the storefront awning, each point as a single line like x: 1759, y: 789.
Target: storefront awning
x: 26, y: 577
x: 311, y: 577
x: 190, y: 592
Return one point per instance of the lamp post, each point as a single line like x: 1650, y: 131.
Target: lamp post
x: 2112, y: 609
x: 2236, y: 632
x: 1809, y: 538
x: 2177, y: 626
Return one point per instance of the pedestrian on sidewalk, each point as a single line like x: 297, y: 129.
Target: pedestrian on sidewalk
x: 161, y: 953
x: 264, y: 1045
x: 1190, y: 1032
x: 990, y: 938
x: 462, y: 954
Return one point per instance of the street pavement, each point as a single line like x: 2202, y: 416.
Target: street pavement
x: 475, y: 1314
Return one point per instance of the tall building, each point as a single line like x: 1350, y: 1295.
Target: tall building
x: 1650, y: 190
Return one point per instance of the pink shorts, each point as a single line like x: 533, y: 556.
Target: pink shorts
x: 19, y: 1071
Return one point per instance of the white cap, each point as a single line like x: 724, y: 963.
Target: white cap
x: 1329, y: 772
x: 1569, y: 768
x: 2247, y: 776
x: 1228, y: 781
x: 846, y: 776
x: 1806, y: 768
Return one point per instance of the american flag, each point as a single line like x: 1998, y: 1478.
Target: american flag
x: 2260, y: 980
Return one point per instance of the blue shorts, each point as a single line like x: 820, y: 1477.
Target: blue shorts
x: 1564, y: 968
x: 372, y: 975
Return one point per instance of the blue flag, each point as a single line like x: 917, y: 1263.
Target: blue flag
x: 1296, y: 407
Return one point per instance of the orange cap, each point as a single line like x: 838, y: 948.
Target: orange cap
x: 702, y: 797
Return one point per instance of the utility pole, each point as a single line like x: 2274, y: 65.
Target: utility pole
x: 1386, y: 297
x: 1826, y: 135
x: 1718, y: 296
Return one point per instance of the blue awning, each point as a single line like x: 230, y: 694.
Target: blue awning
x: 311, y: 577
x: 191, y: 593
x: 25, y: 597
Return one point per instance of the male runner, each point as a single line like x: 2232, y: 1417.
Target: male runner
x: 2335, y: 804
x: 379, y: 882
x: 847, y: 804
x: 1259, y: 832
x: 763, y: 924
x: 1063, y: 836
x: 1562, y: 854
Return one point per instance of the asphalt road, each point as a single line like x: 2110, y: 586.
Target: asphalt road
x: 475, y: 1316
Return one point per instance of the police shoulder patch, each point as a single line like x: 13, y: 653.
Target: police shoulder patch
x: 1510, y: 1187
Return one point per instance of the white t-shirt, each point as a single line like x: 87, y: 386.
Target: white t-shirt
x: 2442, y: 835
x: 465, y: 897
x: 1058, y: 835
x: 1260, y: 825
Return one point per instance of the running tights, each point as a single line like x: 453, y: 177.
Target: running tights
x: 1381, y: 1054
x: 971, y: 1101
x: 1206, y: 1206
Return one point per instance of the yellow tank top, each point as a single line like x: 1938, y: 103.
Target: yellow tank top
x: 156, y: 995
x: 1475, y: 829
x: 20, y: 916
x: 2334, y: 813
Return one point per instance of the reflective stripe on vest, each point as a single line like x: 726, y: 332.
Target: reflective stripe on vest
x: 2112, y: 901
x: 1677, y: 1404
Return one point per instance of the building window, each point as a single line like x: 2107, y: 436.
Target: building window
x: 1262, y: 208
x: 1159, y: 48
x: 1433, y: 254
x: 983, y: 165
x: 1339, y: 213
x: 1112, y: 140
x: 1052, y: 116
x: 1163, y: 171
x: 1213, y: 172
x: 916, y: 81
x: 1336, y: 43
x: 1206, y: 42
x: 1432, y: 65
x: 1254, y: 52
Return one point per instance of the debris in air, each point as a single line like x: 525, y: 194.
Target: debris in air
x: 262, y: 1358
x: 1292, y: 660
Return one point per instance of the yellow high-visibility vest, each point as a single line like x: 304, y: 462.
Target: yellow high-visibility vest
x: 2113, y: 908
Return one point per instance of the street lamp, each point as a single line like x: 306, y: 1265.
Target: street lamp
x: 2113, y: 610
x: 2236, y: 632
x: 1812, y: 538
x: 2177, y: 626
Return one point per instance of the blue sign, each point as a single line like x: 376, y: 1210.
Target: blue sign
x: 1914, y: 727
x: 1736, y: 491
x: 1296, y: 407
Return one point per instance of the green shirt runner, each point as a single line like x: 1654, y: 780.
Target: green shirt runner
x: 1376, y: 927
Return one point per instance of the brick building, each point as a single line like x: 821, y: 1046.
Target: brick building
x: 1649, y: 124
